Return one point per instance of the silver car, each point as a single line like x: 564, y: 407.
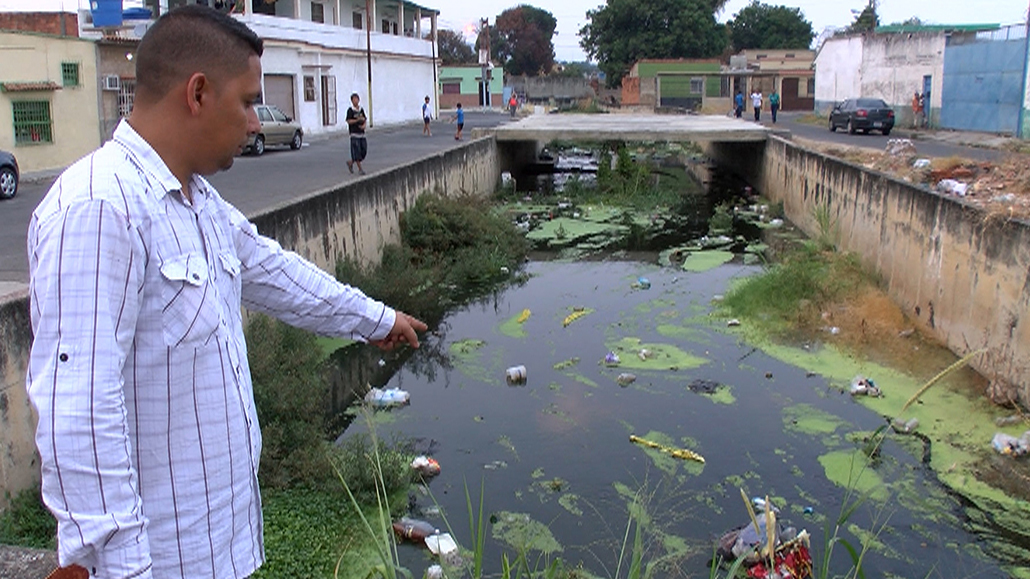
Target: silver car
x: 276, y: 129
x: 8, y: 175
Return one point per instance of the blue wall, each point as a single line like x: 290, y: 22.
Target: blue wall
x: 983, y: 84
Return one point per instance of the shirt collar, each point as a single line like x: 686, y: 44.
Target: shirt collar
x: 148, y: 160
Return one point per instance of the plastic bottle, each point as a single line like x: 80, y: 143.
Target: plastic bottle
x: 414, y: 529
x: 388, y: 397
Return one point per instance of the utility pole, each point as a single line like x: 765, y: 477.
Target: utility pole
x: 484, y: 62
x: 368, y: 55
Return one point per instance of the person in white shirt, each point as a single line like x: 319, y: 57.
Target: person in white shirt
x: 148, y: 435
x: 756, y: 102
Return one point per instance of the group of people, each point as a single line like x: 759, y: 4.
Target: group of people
x: 757, y: 100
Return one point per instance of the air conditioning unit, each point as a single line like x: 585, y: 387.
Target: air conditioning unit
x: 112, y: 82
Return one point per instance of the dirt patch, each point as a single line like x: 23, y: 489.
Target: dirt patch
x: 1002, y: 187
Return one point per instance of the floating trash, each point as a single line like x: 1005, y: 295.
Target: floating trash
x: 680, y: 453
x: 495, y: 465
x: 515, y: 375
x: 733, y: 323
x: 575, y: 315
x: 1010, y: 445
x: 904, y: 426
x: 523, y: 316
x: 625, y: 379
x: 644, y: 354
x: 505, y: 270
x: 382, y: 362
x: 643, y: 283
x: 862, y: 386
x: 441, y: 544
x: 434, y: 572
x: 387, y: 398
x: 414, y: 529
x: 426, y: 466
x: 611, y: 359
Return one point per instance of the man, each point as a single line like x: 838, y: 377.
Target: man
x: 917, y: 109
x: 756, y: 102
x: 513, y: 104
x: 427, y: 117
x: 738, y: 105
x: 774, y: 104
x: 356, y: 127
x: 148, y: 435
x: 459, y: 120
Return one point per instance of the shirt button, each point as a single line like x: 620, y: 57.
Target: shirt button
x: 63, y: 357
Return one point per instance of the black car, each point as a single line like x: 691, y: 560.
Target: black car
x: 8, y: 175
x: 862, y: 115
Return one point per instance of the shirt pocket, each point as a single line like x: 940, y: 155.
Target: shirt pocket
x: 230, y: 282
x: 190, y: 312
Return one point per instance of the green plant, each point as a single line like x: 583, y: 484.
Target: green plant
x: 26, y: 522
x: 828, y: 231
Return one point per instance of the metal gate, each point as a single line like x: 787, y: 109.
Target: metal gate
x: 983, y: 81
x: 279, y: 92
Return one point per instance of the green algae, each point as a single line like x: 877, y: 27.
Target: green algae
x: 512, y: 327
x: 688, y: 333
x: 566, y: 364
x: 570, y: 502
x: 851, y: 469
x: 868, y: 539
x: 661, y: 357
x: 520, y: 532
x: 701, y: 261
x: 808, y: 419
x: 722, y: 395
x: 566, y: 231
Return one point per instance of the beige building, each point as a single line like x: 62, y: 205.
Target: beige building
x: 48, y: 99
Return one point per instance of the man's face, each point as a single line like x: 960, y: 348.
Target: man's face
x: 354, y: 101
x: 231, y: 121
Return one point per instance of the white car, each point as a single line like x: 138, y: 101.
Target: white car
x: 276, y: 129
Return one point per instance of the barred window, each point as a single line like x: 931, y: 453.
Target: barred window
x: 126, y: 97
x: 32, y: 122
x: 70, y: 73
x: 697, y: 85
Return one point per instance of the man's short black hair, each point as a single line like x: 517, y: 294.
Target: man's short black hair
x: 188, y: 40
x: 355, y: 96
x: 459, y: 105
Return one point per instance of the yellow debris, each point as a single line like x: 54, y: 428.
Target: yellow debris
x: 573, y: 317
x: 680, y: 453
x: 523, y: 316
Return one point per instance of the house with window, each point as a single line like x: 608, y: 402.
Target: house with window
x: 464, y: 84
x: 319, y: 52
x: 48, y: 99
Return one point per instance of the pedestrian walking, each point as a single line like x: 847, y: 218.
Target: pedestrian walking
x: 756, y: 102
x: 459, y: 119
x: 356, y: 127
x: 917, y: 109
x: 427, y: 117
x: 138, y: 270
x: 738, y: 104
x: 513, y: 104
x: 774, y: 104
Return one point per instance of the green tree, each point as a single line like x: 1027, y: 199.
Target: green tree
x: 454, y: 49
x: 624, y: 31
x: 764, y: 26
x: 867, y: 20
x: 522, y: 39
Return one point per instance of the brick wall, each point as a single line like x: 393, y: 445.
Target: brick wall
x: 449, y: 101
x: 56, y: 23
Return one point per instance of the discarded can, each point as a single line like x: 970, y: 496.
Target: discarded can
x: 515, y: 375
x: 625, y: 379
x: 426, y: 466
x: 388, y: 397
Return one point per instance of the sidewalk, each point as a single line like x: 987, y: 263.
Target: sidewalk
x: 961, y: 138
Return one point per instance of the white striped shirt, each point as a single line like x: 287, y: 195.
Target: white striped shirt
x: 147, y: 431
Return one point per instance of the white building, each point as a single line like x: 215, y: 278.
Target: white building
x: 317, y: 53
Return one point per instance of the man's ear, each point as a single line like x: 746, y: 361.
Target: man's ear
x: 198, y: 88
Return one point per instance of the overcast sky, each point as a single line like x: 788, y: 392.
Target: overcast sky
x: 571, y: 14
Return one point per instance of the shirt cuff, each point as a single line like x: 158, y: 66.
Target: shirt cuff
x: 378, y: 323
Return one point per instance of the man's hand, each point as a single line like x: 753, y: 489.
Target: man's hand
x: 403, y: 332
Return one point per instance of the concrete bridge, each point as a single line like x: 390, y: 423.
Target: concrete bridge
x: 619, y: 127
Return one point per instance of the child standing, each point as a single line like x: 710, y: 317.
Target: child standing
x: 427, y: 116
x: 459, y: 119
x: 356, y: 127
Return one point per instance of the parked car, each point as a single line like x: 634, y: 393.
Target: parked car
x: 862, y: 115
x: 8, y: 175
x: 276, y: 129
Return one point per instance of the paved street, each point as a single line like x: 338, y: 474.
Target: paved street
x: 257, y: 183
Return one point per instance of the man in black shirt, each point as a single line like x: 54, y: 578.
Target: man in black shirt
x: 356, y: 126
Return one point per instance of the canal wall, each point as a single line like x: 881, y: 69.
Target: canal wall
x: 355, y: 219
x: 959, y: 272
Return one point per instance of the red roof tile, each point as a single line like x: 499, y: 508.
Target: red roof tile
x: 43, y: 85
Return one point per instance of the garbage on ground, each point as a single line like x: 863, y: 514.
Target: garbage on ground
x: 904, y: 426
x: 718, y: 298
x: 833, y: 330
x: 862, y: 386
x: 749, y: 542
x: 776, y: 223
x: 515, y: 375
x: 426, y: 466
x: 1006, y: 198
x: 441, y: 544
x: 625, y: 379
x: 611, y: 359
x: 505, y: 270
x: 414, y: 530
x: 952, y: 187
x: 1008, y: 420
x: 434, y: 572
x: 382, y: 362
x: 921, y: 163
x: 385, y: 398
x: 733, y: 323
x: 1010, y: 445
x: 900, y: 148
x: 680, y: 453
x: 906, y: 333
